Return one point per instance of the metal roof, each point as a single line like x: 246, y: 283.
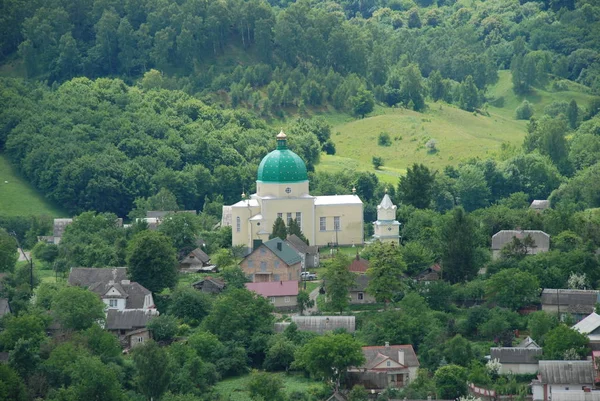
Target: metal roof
x: 287, y: 253
x: 577, y: 300
x: 129, y: 318
x: 516, y: 354
x: 567, y: 372
x: 589, y: 324
x: 374, y: 355
x: 282, y: 165
x: 386, y: 203
x: 337, y: 200
x: 503, y: 237
x: 274, y: 288
x: 86, y: 276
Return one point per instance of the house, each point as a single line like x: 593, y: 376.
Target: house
x: 385, y: 366
x: 309, y: 254
x: 320, y: 324
x: 130, y: 325
x: 540, y: 239
x: 358, y: 292
x: 590, y: 326
x: 113, y: 287
x: 432, y: 273
x: 196, y: 261
x: 210, y: 285
x: 577, y: 303
x: 282, y: 294
x: 358, y: 265
x: 540, y: 205
x: 563, y: 380
x: 273, y: 260
x: 522, y: 359
x: 58, y: 229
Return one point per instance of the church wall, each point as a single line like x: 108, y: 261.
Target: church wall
x: 270, y: 208
x: 276, y: 189
x: 244, y: 235
x: 351, y: 224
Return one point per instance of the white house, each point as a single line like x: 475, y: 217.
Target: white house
x: 563, y: 380
x: 522, y: 359
x: 590, y: 326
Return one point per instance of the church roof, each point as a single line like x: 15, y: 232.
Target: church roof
x: 386, y: 202
x: 337, y: 200
x: 282, y: 165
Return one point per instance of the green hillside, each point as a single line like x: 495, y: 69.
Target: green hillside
x: 459, y: 135
x: 18, y: 198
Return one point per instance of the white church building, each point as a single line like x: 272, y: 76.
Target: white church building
x: 282, y: 191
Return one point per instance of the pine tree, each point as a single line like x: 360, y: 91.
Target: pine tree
x: 294, y: 229
x: 279, y: 230
x: 573, y: 114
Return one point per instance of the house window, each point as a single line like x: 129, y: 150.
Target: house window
x: 140, y: 339
x: 361, y: 296
x: 238, y: 224
x: 275, y: 277
x: 389, y: 363
x: 289, y: 219
x: 287, y: 300
x: 250, y: 263
x: 299, y: 219
x: 336, y: 223
x: 113, y: 303
x: 322, y: 223
x: 272, y: 299
x: 276, y: 263
x: 263, y: 266
x: 280, y: 215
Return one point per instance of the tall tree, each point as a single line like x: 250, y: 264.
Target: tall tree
x: 386, y: 268
x: 279, y: 230
x: 469, y: 98
x: 458, y: 247
x: 337, y: 281
x: 77, y: 308
x: 512, y: 288
x: 416, y: 187
x: 294, y: 229
x: 152, y: 261
x: 153, y: 373
x: 563, y: 343
x: 330, y: 356
x: 472, y: 188
x: 573, y: 114
x: 8, y: 251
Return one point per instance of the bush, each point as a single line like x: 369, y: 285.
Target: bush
x: 560, y: 86
x: 163, y: 327
x: 524, y: 111
x: 431, y: 146
x: 384, y: 139
x: 377, y: 162
x: 329, y: 147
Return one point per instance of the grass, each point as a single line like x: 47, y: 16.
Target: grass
x: 235, y: 389
x: 19, y: 198
x: 460, y: 135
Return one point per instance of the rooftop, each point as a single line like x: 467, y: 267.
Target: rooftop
x: 567, y: 372
x: 337, y: 200
x: 374, y: 355
x: 274, y: 288
x: 283, y: 251
x: 322, y: 324
x: 128, y: 319
x: 86, y: 276
x: 589, y: 324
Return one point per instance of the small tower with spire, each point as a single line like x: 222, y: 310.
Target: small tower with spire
x: 387, y: 228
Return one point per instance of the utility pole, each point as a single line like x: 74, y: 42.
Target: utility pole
x: 29, y: 260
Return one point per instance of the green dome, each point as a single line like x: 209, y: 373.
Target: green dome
x: 282, y: 165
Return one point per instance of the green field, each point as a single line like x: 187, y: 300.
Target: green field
x: 235, y: 389
x: 18, y: 198
x: 460, y: 135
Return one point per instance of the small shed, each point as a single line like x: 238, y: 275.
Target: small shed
x: 210, y: 285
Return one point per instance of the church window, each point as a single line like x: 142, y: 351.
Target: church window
x: 238, y: 224
x: 288, y: 190
x: 336, y: 223
x: 299, y: 219
x: 322, y: 223
x: 263, y: 266
x: 289, y: 219
x: 280, y: 215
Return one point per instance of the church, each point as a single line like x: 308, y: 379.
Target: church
x: 282, y: 191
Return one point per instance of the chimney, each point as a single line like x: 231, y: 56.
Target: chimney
x: 111, y: 282
x: 401, y: 356
x: 125, y: 282
x: 387, y: 344
x: 279, y: 246
x: 256, y: 243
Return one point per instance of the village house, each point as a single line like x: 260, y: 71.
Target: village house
x: 563, y: 302
x: 320, y: 324
x: 358, y: 292
x: 385, y: 366
x: 522, y: 359
x: 502, y: 238
x: 273, y: 260
x: 210, y: 285
x: 282, y: 294
x: 540, y: 205
x: 113, y: 287
x: 309, y: 254
x: 358, y: 265
x: 563, y: 380
x: 130, y: 325
x: 196, y: 261
x: 430, y: 274
x: 590, y: 326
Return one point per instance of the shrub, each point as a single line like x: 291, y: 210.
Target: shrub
x: 524, y: 111
x: 377, y: 162
x: 384, y: 139
x: 431, y: 146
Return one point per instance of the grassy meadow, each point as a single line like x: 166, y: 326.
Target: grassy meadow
x: 19, y: 198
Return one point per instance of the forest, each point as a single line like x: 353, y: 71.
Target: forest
x: 113, y: 108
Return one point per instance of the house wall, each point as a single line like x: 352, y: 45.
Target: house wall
x: 553, y: 309
x: 280, y: 302
x: 351, y: 224
x: 264, y: 254
x: 558, y: 392
x: 120, y: 303
x: 248, y: 230
x: 139, y: 338
x: 148, y: 301
x: 519, y: 368
x: 367, y: 299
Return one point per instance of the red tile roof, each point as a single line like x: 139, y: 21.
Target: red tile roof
x: 358, y: 265
x: 274, y: 288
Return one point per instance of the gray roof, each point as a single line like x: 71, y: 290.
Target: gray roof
x: 322, y: 324
x: 501, y: 238
x: 376, y: 354
x: 197, y: 256
x: 516, y: 354
x: 287, y: 254
x: 528, y: 343
x: 576, y: 301
x: 360, y: 283
x: 386, y: 203
x: 4, y: 307
x: 540, y: 204
x: 567, y: 372
x: 86, y: 276
x: 134, y: 293
x: 295, y: 242
x: 128, y: 319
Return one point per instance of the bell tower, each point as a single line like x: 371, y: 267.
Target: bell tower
x: 387, y: 228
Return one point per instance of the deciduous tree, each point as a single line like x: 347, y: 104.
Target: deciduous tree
x: 77, y: 308
x: 152, y: 261
x: 337, y: 281
x: 386, y: 268
x: 153, y: 373
x: 416, y: 187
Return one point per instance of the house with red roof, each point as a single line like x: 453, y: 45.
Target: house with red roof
x: 282, y: 294
x: 386, y: 366
x: 358, y: 265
